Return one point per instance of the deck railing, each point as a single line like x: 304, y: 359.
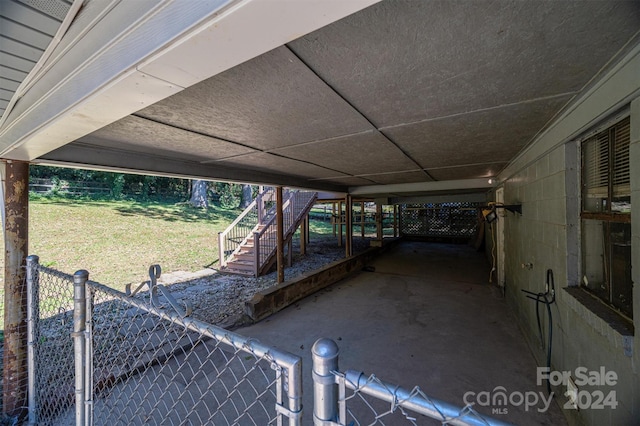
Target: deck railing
x: 295, y: 205
x: 231, y: 239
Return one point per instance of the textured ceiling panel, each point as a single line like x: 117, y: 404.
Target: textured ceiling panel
x: 368, y: 152
x: 276, y: 164
x: 495, y: 135
x: 145, y: 136
x: 472, y: 171
x: 268, y: 102
x: 404, y: 61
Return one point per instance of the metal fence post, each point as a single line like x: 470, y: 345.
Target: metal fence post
x: 79, y: 323
x: 325, y: 390
x: 88, y: 378
x: 32, y: 320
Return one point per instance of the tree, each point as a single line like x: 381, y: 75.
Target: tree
x: 199, y: 189
x: 246, y: 196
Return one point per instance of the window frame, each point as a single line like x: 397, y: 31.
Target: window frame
x: 607, y: 216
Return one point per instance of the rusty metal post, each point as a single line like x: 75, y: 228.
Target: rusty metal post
x: 348, y: 215
x: 280, y: 235
x: 16, y: 232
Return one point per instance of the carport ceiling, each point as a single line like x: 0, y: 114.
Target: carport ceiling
x: 402, y: 92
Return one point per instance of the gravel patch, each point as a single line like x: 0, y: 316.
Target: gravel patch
x: 218, y: 298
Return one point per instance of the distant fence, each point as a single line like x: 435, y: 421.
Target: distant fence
x: 43, y: 186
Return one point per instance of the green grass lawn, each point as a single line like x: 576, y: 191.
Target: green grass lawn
x: 117, y: 241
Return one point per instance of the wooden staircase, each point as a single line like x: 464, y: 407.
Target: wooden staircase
x: 248, y: 245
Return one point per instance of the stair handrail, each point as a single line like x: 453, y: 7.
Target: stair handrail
x: 255, y: 205
x: 289, y: 212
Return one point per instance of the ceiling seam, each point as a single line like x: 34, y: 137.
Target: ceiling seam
x: 341, y: 96
x: 173, y: 126
x: 461, y: 114
x: 256, y: 150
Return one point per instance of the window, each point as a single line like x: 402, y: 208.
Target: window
x: 606, y: 217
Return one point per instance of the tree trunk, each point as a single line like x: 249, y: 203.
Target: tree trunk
x: 199, y: 190
x: 246, y: 197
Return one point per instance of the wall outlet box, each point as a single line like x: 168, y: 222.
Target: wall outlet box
x: 572, y: 393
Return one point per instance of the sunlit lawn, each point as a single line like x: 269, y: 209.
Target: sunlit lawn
x: 117, y: 241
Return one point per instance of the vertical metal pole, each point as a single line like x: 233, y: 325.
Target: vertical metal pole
x: 16, y: 236
x: 79, y: 326
x: 348, y: 214
x: 32, y: 321
x: 88, y: 383
x: 324, y: 354
x: 280, y: 235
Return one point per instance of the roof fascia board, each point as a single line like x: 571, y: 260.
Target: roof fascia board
x: 97, y: 158
x: 221, y: 35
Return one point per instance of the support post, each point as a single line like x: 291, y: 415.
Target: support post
x: 33, y: 317
x: 256, y: 253
x: 303, y: 235
x: 279, y: 235
x: 222, y: 258
x: 379, y: 221
x: 325, y: 390
x: 362, y: 218
x: 79, y: 325
x: 334, y: 219
x: 339, y: 223
x: 348, y: 214
x: 16, y: 233
x: 395, y: 220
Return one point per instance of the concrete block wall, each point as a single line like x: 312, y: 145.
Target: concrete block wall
x: 547, y: 234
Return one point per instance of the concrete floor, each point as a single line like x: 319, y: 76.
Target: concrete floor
x: 425, y: 316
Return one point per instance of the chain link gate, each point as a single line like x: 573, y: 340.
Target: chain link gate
x: 153, y: 365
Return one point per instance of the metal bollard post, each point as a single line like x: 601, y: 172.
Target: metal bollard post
x: 32, y: 319
x: 325, y: 390
x: 79, y: 323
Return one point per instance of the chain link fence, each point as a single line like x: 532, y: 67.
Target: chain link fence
x: 51, y: 362
x: 367, y: 400
x: 150, y: 365
x: 352, y: 398
x: 100, y: 356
